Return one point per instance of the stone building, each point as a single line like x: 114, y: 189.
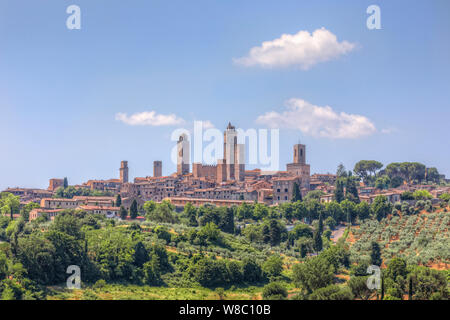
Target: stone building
x: 55, y: 184
x: 183, y: 158
x: 204, y: 171
x: 124, y: 172
x: 157, y: 168
x: 299, y: 168
x: 283, y: 188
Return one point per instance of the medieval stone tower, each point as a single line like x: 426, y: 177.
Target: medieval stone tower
x: 183, y: 157
x: 157, y: 168
x: 299, y: 153
x: 233, y: 165
x: 299, y: 167
x: 124, y: 171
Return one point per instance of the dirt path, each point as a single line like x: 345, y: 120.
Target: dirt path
x: 337, y: 233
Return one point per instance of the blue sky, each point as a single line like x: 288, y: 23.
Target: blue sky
x: 60, y: 89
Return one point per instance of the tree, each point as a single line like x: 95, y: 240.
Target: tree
x: 152, y: 272
x: 349, y: 210
x: 408, y: 171
x: 123, y: 213
x: 407, y: 195
x: 432, y: 175
x: 341, y: 171
x: 339, y: 191
x: 302, y: 230
x: 332, y: 292
x: 315, y: 273
x: 363, y: 211
x: 317, y: 238
x: 422, y: 195
x: 273, y: 266
x: 274, y: 232
x: 375, y: 254
x: 9, y: 204
x: 251, y: 271
x: 314, y: 208
x: 383, y: 182
x: 330, y: 223
x: 25, y: 212
x: 65, y: 183
x: 359, y: 288
x: 429, y: 283
x: 133, y: 209
x: 320, y: 226
x: 244, y: 211
x: 112, y: 252
x: 396, y: 268
x: 37, y: 254
x: 210, y: 232
x: 381, y: 207
x: 140, y: 255
x: 191, y: 213
x: 163, y: 212
x: 274, y: 291
x: 314, y: 194
x: 260, y: 211
x: 334, y: 210
x: 337, y: 256
x: 226, y: 219
x: 351, y: 191
x: 366, y: 168
x: 296, y: 194
x: 396, y: 182
x: 118, y: 200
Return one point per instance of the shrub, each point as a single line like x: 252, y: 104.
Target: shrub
x: 274, y: 291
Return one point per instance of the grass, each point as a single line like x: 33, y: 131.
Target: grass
x: 136, y: 292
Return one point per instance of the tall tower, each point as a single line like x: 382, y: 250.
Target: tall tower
x: 299, y: 167
x: 300, y: 153
x: 239, y: 166
x: 229, y: 150
x: 157, y: 168
x: 183, y: 155
x: 124, y: 171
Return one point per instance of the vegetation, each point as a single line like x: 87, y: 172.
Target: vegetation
x: 243, y: 252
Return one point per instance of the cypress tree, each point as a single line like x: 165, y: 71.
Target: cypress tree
x: 351, y: 192
x: 265, y: 233
x: 320, y: 227
x: 303, y: 250
x: 339, y: 191
x: 118, y: 200
x: 275, y: 233
x: 410, y: 288
x: 123, y: 213
x: 375, y: 254
x: 133, y: 209
x: 66, y: 183
x: 317, y: 241
x: 296, y: 194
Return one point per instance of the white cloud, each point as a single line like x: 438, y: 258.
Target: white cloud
x: 208, y: 124
x: 302, y: 49
x: 318, y: 121
x: 149, y: 118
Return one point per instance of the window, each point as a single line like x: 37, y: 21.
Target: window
x: 285, y: 190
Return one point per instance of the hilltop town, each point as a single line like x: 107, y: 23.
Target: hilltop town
x: 260, y: 235
x: 227, y: 183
